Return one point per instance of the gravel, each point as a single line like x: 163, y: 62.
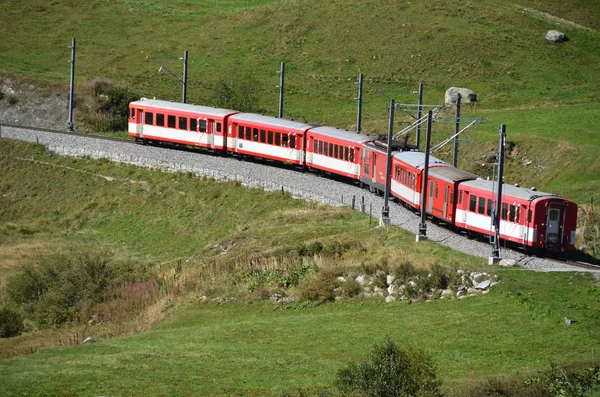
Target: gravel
x: 303, y: 185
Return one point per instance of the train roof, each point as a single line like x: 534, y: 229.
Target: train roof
x: 342, y: 134
x: 451, y: 174
x: 417, y: 159
x: 507, y: 190
x: 274, y: 121
x: 183, y: 107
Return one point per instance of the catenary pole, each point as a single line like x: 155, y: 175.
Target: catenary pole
x: 456, y: 131
x: 70, y: 122
x: 497, y: 213
x: 281, y: 91
x: 423, y: 225
x: 419, y: 114
x: 360, y: 100
x: 185, y: 73
x: 385, y: 213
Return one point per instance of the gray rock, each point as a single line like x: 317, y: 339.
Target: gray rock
x: 466, y: 95
x: 447, y: 293
x: 341, y: 279
x: 471, y: 291
x: 555, y: 36
x: 391, y: 289
x: 362, y: 280
x: 89, y: 339
x: 483, y: 285
x: 389, y: 299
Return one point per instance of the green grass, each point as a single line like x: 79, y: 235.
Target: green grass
x: 257, y: 349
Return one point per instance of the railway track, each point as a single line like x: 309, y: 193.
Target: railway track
x: 74, y: 143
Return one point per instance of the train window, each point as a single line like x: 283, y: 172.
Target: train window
x: 473, y: 203
x: 513, y: 211
x: 248, y: 133
x: 255, y: 134
x: 367, y: 155
x: 326, y: 148
x: 335, y: 151
x: 218, y: 127
x: 240, y: 132
x: 346, y: 154
x: 331, y: 150
x: 160, y: 119
x: 481, y: 208
x: 270, y: 137
x: 132, y: 114
x: 278, y: 138
x: 284, y: 140
x: 182, y: 123
x: 202, y: 125
x: 554, y: 214
x: 504, y: 211
x: 489, y: 207
x: 263, y: 136
x: 193, y: 124
x: 528, y: 216
x: 148, y: 118
x: 451, y: 196
x: 171, y: 121
x: 518, y: 214
x: 460, y: 197
x: 351, y: 155
x: 293, y: 141
x: 366, y: 168
x: 436, y: 190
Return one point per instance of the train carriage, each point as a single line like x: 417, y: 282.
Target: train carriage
x: 335, y: 151
x: 180, y: 123
x: 267, y: 137
x: 407, y: 177
x: 528, y: 217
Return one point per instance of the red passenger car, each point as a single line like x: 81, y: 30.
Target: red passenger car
x: 181, y: 123
x: 335, y: 151
x: 528, y: 217
x: 267, y: 137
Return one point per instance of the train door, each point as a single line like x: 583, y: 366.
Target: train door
x: 554, y: 223
x: 211, y: 133
x: 374, y: 173
x: 139, y: 123
x: 430, y: 198
x: 445, y: 202
x: 310, y: 148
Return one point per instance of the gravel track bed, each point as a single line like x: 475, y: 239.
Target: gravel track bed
x: 302, y: 185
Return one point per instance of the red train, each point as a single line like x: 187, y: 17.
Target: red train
x: 529, y: 218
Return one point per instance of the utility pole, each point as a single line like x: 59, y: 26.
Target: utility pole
x: 385, y: 213
x: 360, y: 99
x: 419, y: 115
x: 423, y: 226
x: 495, y: 258
x: 456, y: 131
x: 70, y: 122
x: 185, y: 65
x: 281, y: 86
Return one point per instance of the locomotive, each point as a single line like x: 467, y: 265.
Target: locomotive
x: 528, y: 218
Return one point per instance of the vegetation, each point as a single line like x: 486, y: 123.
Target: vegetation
x: 391, y: 371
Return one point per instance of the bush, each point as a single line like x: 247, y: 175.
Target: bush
x: 53, y: 289
x: 320, y: 289
x: 238, y: 92
x: 11, y: 323
x: 391, y: 371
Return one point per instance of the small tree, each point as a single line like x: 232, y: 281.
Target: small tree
x: 391, y: 371
x: 11, y: 323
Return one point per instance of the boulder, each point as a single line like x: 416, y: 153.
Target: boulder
x: 390, y: 279
x: 555, y: 36
x: 508, y: 262
x: 466, y: 95
x: 362, y: 280
x: 389, y: 299
x: 391, y: 289
x: 447, y: 293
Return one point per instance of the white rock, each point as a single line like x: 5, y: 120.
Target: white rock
x: 89, y: 339
x: 466, y: 95
x: 390, y: 279
x: 483, y: 285
x: 446, y: 293
x: 341, y: 279
x: 555, y: 36
x: 391, y: 289
x: 412, y: 284
x: 377, y: 289
x: 362, y: 280
x: 508, y: 262
x: 389, y: 299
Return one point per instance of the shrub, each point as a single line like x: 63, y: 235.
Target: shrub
x: 351, y: 287
x: 391, y: 371
x: 320, y: 289
x: 13, y: 100
x: 11, y: 323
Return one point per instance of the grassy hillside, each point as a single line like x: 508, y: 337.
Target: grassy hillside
x: 201, y: 248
